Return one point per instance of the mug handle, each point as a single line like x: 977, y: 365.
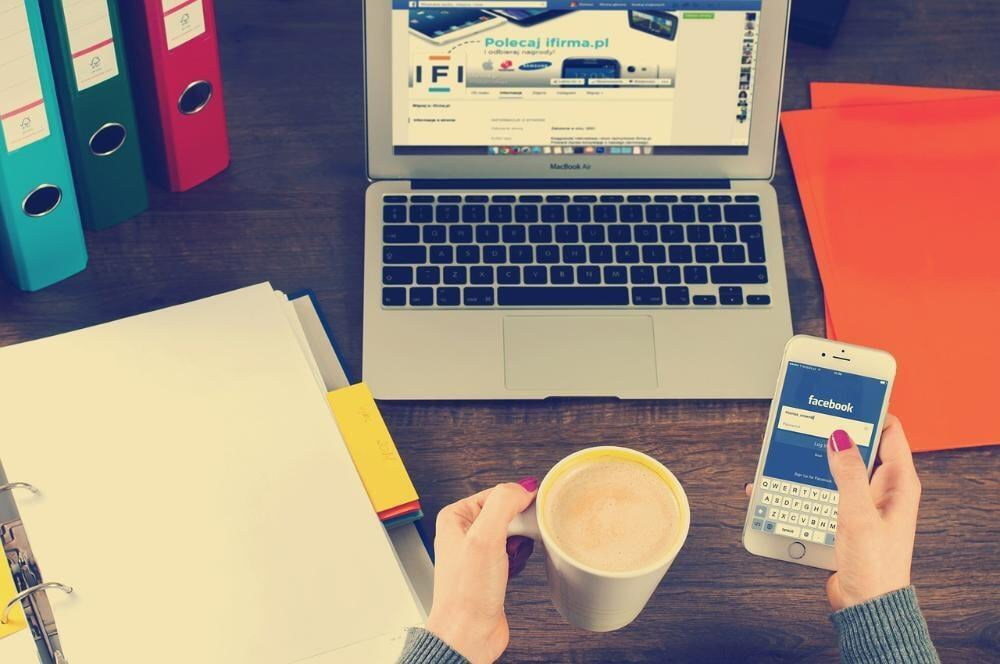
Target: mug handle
x: 525, y: 524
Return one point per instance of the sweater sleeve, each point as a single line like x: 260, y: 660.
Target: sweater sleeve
x: 885, y: 630
x: 422, y: 647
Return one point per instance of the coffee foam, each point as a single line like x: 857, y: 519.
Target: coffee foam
x: 612, y: 514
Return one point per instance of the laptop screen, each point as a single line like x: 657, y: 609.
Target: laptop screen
x: 598, y: 77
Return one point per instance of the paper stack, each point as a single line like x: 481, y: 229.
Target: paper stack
x: 897, y: 187
x: 197, y: 495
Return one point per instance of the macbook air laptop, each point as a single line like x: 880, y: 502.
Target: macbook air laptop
x: 573, y: 199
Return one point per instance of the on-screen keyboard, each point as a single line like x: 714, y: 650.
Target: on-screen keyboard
x: 799, y: 511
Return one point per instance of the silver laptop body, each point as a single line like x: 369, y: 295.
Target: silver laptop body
x: 553, y: 215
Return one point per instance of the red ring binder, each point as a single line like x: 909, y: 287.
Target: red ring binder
x: 175, y: 53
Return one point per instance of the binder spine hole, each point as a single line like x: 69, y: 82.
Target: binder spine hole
x: 195, y: 97
x: 108, y: 139
x: 42, y: 200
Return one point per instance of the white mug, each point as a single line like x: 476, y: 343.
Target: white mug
x: 588, y: 598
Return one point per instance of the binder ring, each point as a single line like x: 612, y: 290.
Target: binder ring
x: 18, y: 485
x: 108, y: 139
x: 31, y: 591
x: 195, y: 97
x: 42, y: 200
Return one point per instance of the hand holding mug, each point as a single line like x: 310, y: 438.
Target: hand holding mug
x: 471, y: 570
x: 596, y: 583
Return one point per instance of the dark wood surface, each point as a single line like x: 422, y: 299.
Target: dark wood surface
x: 289, y: 210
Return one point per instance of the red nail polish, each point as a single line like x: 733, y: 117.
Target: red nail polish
x: 518, y: 552
x: 840, y: 441
x: 529, y: 483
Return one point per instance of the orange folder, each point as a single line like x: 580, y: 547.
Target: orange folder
x: 828, y: 95
x: 898, y: 199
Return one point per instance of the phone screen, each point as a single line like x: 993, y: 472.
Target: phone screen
x: 658, y: 24
x: 588, y: 68
x: 796, y: 494
x: 435, y: 23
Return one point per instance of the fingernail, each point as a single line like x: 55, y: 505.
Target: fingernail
x: 529, y: 483
x: 518, y: 551
x: 840, y: 441
x: 746, y: 486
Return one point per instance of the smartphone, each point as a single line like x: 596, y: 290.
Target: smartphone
x: 590, y: 68
x: 823, y: 386
x: 440, y: 26
x: 526, y: 17
x: 658, y: 24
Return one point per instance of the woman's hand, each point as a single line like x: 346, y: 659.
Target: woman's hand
x: 472, y: 562
x: 877, y: 522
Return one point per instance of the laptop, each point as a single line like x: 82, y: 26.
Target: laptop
x: 573, y: 199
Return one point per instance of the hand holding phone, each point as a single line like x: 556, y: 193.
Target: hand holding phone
x: 823, y: 387
x: 878, y: 522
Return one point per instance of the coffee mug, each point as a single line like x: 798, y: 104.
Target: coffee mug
x: 587, y: 597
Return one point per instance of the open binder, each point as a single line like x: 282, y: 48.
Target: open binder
x: 249, y: 539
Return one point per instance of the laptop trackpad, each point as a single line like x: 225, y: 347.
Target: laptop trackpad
x: 580, y: 355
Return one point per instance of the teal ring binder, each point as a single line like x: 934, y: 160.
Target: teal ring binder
x: 35, y: 176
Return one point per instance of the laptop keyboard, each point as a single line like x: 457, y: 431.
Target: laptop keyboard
x: 573, y: 250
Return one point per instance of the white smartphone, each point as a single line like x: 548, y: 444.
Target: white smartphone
x: 442, y: 26
x: 823, y: 386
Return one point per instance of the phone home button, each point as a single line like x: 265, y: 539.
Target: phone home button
x: 796, y: 550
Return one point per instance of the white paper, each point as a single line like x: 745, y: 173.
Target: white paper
x: 196, y: 492
x: 91, y: 42
x: 19, y: 648
x: 300, y: 335
x: 322, y: 349
x: 384, y: 648
x: 184, y: 20
x: 22, y: 105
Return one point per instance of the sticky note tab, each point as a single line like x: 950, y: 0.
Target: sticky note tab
x: 16, y: 621
x: 368, y: 440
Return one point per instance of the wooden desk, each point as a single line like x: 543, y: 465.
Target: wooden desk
x: 290, y: 210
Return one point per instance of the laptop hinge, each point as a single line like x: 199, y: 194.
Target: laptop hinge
x: 571, y: 184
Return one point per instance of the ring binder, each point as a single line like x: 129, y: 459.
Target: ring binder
x: 18, y: 485
x: 31, y: 591
x: 86, y: 46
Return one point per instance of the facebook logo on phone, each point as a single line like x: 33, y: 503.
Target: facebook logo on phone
x: 815, y: 402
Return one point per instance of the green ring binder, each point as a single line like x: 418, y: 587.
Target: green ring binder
x: 110, y: 185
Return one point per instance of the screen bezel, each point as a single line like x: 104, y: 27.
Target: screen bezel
x: 821, y: 353
x: 383, y: 164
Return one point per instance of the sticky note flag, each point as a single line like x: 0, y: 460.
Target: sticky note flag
x: 16, y: 620
x: 368, y: 440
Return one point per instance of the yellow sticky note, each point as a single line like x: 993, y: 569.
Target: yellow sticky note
x: 16, y: 621
x: 368, y: 440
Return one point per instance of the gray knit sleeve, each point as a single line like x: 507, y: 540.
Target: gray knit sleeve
x: 885, y: 630
x: 422, y: 647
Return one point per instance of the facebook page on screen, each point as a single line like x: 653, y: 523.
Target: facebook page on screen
x: 814, y: 403
x: 567, y: 77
